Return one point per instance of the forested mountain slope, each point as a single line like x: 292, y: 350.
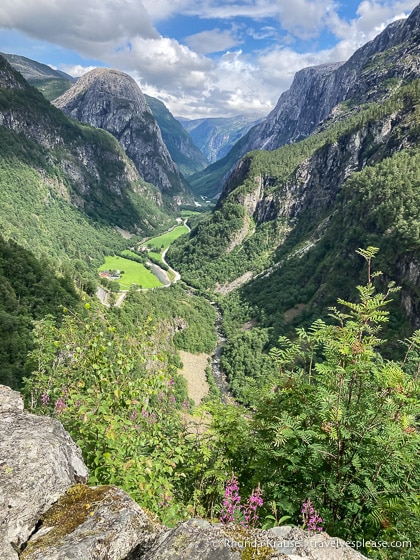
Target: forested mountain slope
x: 29, y: 290
x: 280, y: 206
x: 322, y: 94
x: 64, y: 185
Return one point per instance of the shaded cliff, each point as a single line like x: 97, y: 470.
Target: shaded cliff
x: 180, y: 144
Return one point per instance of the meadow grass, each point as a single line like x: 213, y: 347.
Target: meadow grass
x: 134, y: 273
x: 167, y: 238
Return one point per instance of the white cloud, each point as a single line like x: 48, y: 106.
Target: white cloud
x: 75, y: 70
x: 83, y: 25
x: 304, y: 18
x: 122, y: 33
x: 212, y: 41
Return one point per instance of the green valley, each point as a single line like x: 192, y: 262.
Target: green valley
x: 130, y: 273
x: 295, y: 300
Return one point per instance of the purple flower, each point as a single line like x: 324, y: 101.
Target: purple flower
x: 45, y: 399
x: 59, y: 406
x: 311, y: 520
x: 133, y: 415
x: 235, y: 512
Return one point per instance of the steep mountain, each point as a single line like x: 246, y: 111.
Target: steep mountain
x: 289, y: 221
x: 179, y: 143
x: 30, y: 289
x: 319, y: 95
x: 50, y: 82
x: 64, y: 186
x: 112, y: 100
x: 216, y: 136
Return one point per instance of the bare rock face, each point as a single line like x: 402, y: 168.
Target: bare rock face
x: 38, y: 462
x: 369, y: 75
x: 109, y: 99
x: 91, y: 524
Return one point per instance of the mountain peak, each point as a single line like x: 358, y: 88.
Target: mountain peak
x: 110, y: 99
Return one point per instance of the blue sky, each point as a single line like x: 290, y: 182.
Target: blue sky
x: 200, y: 57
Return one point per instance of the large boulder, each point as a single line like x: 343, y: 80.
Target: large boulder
x: 38, y: 462
x: 91, y: 524
x: 198, y: 539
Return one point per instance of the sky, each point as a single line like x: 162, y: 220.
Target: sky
x: 202, y: 58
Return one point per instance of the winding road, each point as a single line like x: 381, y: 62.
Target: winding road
x: 103, y: 295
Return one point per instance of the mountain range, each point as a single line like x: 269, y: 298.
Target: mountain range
x: 216, y: 136
x: 50, y: 82
x: 347, y: 176
x: 285, y: 188
x: 324, y: 93
x: 306, y: 271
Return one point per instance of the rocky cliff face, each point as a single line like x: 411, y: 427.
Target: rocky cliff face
x: 322, y: 95
x: 48, y: 513
x: 112, y: 100
x: 216, y: 136
x: 371, y: 74
x: 179, y: 143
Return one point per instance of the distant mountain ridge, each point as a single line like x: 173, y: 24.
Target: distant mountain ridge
x: 50, y: 82
x: 112, y: 100
x: 326, y: 93
x: 216, y: 136
x: 183, y: 151
x: 53, y: 83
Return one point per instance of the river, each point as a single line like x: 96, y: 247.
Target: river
x: 216, y: 370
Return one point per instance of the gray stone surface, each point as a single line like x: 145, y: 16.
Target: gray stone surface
x: 92, y: 524
x: 194, y: 540
x: 191, y: 541
x: 38, y: 462
x: 112, y: 100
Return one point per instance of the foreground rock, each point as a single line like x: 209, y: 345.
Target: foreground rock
x: 38, y: 462
x: 198, y: 539
x: 44, y: 515
x: 91, y: 523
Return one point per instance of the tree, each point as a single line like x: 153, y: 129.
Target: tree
x: 339, y: 427
x: 117, y: 396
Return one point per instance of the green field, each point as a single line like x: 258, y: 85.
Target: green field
x: 167, y: 238
x: 189, y: 213
x: 134, y: 273
x: 129, y: 253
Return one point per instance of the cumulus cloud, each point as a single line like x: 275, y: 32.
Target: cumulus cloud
x: 75, y: 70
x: 123, y: 34
x: 212, y: 41
x: 80, y: 24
